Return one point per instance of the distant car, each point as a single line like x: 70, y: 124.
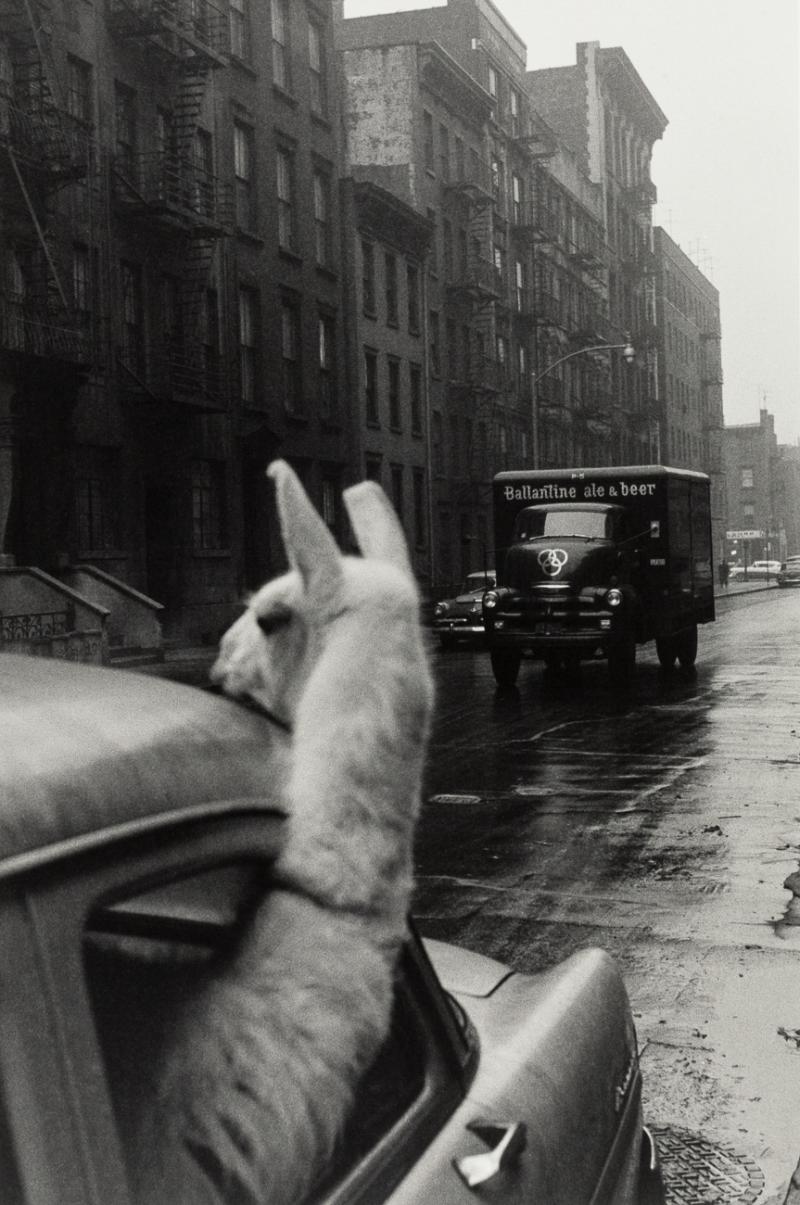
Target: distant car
x: 461, y: 618
x: 789, y: 572
x: 757, y: 569
x: 137, y: 816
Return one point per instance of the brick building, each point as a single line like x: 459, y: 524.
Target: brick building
x: 388, y: 354
x: 601, y: 109
x: 540, y: 209
x: 788, y: 495
x: 755, y: 525
x: 171, y: 307
x: 689, y: 403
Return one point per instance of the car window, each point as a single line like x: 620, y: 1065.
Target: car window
x: 147, y: 956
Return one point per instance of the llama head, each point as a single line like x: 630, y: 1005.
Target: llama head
x: 269, y: 653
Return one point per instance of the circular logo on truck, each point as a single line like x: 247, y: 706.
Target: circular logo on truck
x: 552, y: 561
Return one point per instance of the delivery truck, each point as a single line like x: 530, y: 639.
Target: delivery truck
x: 592, y: 562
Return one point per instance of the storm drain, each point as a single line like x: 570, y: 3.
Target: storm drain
x: 698, y: 1172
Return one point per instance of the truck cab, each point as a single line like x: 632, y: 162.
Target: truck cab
x: 610, y: 559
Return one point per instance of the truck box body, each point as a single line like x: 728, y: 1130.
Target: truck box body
x: 566, y: 538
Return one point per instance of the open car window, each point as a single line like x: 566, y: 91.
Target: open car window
x: 148, y: 955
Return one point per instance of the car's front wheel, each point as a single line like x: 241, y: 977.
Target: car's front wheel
x: 505, y: 666
x: 687, y: 647
x: 666, y: 651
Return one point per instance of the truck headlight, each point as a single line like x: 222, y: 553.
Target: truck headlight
x: 440, y: 609
x: 614, y: 597
x: 490, y: 600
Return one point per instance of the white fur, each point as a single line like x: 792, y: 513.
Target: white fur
x: 262, y: 1069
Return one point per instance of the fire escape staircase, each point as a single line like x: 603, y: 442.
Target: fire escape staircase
x: 172, y: 187
x: 41, y: 149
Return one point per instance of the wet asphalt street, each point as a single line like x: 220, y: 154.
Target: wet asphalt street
x: 660, y: 822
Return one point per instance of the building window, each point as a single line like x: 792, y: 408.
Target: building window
x: 519, y: 285
x: 204, y: 196
x: 427, y: 141
x: 327, y: 365
x: 497, y: 177
x: 748, y: 480
x: 390, y: 282
x: 412, y: 297
x: 420, y: 526
x: 208, y: 506
x: 492, y: 82
x: 244, y: 171
x: 322, y: 219
x: 435, y: 344
x: 97, y: 499
x: 281, y: 74
x: 415, y: 397
x: 82, y: 284
x: 290, y: 354
x: 125, y: 129
x: 328, y: 509
x: 316, y: 61
x: 371, y: 388
x: 396, y: 474
x: 517, y: 195
x: 286, y: 201
x: 211, y: 340
x: 79, y: 90
x: 433, y: 260
x: 444, y: 153
x: 166, y: 143
x: 749, y: 511
x: 372, y: 468
x: 368, y: 277
x: 513, y: 104
x: 437, y: 441
x: 459, y: 158
x: 395, y: 421
x: 248, y: 350
x: 131, y: 311
x: 171, y: 314
x: 240, y: 29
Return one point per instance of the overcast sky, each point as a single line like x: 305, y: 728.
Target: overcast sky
x: 725, y: 74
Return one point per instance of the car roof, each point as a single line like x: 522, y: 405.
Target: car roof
x: 85, y: 749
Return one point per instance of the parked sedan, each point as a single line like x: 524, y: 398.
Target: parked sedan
x: 461, y: 618
x: 138, y: 811
x: 756, y: 570
x: 789, y: 572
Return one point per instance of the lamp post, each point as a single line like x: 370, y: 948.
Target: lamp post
x: 628, y: 353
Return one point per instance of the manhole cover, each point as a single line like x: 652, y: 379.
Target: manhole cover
x: 699, y: 1172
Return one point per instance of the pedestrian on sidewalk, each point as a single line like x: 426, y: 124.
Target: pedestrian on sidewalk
x: 724, y: 573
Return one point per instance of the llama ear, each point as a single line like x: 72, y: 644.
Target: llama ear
x: 376, y: 525
x: 310, y: 547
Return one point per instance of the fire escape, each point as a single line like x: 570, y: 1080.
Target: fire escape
x: 474, y: 286
x: 43, y: 148
x: 171, y: 192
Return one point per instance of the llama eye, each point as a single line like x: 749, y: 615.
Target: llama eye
x: 274, y: 621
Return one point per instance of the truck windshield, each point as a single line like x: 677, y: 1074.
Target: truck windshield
x: 591, y: 524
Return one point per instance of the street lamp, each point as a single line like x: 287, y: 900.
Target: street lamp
x: 628, y: 355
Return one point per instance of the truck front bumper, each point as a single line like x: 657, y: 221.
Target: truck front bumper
x: 513, y: 631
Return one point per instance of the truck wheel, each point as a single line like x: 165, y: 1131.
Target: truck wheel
x: 687, y: 647
x: 622, y: 658
x: 552, y: 662
x: 666, y: 651
x: 505, y: 666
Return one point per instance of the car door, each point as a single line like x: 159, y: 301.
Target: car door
x: 100, y: 923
